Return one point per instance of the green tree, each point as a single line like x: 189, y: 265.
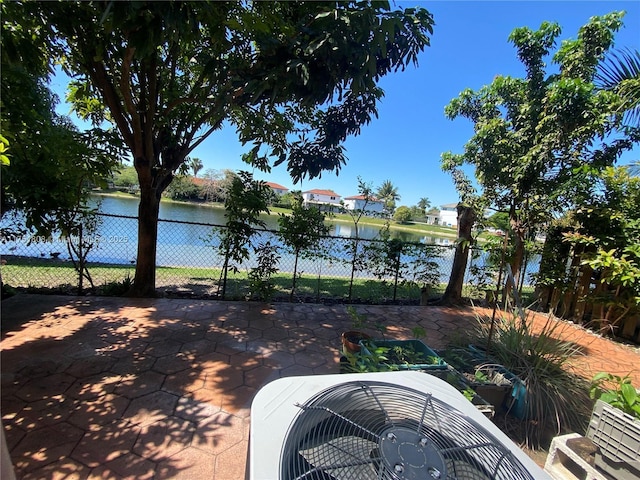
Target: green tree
x: 424, y: 204
x: 125, y: 177
x: 295, y: 79
x: 183, y: 188
x: 532, y: 135
x: 365, y: 190
x: 53, y: 165
x: 195, y: 164
x: 467, y: 209
x: 499, y: 220
x: 246, y: 200
x: 388, y: 194
x: 285, y: 200
x: 402, y: 214
x: 607, y: 226
x: 301, y: 231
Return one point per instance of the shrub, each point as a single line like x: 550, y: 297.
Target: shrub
x: 557, y: 400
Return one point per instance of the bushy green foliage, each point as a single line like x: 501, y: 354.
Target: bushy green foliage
x: 616, y: 391
x: 169, y: 74
x: 125, y: 177
x: 261, y: 285
x: 301, y: 232
x: 183, y: 188
x: 402, y: 215
x: 532, y: 135
x: 607, y: 229
x: 116, y: 288
x: 245, y: 200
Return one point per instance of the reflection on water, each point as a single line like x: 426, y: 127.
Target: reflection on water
x: 191, y: 244
x: 193, y: 212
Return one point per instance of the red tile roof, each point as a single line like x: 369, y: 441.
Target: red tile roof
x: 329, y: 193
x: 361, y: 197
x: 276, y: 186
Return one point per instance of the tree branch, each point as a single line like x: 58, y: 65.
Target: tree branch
x: 125, y: 89
x: 97, y: 72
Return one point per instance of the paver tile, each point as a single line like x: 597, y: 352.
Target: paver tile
x: 162, y: 388
x: 63, y: 469
x: 45, y: 412
x: 231, y: 464
x: 164, y: 438
x: 188, y: 464
x: 94, y: 413
x: 31, y: 453
x: 151, y: 408
x: 136, y: 385
x: 106, y: 443
x: 92, y: 387
x: 125, y: 467
x: 45, y: 387
x: 219, y: 432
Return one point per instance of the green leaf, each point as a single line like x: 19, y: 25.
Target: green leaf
x: 599, y: 377
x: 609, y: 397
x: 629, y: 393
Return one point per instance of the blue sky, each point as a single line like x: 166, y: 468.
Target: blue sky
x: 468, y: 49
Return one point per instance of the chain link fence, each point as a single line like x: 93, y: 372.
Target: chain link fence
x: 190, y: 263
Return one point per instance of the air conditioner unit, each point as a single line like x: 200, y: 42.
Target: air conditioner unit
x: 387, y: 425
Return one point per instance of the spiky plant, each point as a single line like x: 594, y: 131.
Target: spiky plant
x: 557, y: 400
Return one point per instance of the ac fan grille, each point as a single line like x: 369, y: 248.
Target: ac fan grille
x: 374, y: 430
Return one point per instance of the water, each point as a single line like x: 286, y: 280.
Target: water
x: 193, y: 244
x: 193, y: 212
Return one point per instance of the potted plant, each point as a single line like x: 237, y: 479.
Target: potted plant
x: 546, y: 397
x: 460, y: 383
x: 490, y: 380
x: 410, y: 355
x: 615, y: 426
x: 352, y: 339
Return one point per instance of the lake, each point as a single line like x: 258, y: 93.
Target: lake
x: 196, y: 213
x: 186, y: 239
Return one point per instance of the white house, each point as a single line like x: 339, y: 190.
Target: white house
x: 448, y: 216
x: 359, y: 202
x: 277, y: 189
x: 326, y: 200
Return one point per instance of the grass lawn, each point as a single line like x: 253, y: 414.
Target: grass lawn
x: 45, y: 273
x: 38, y: 273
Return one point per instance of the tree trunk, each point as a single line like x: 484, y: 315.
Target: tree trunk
x: 144, y: 283
x: 519, y: 237
x: 466, y: 219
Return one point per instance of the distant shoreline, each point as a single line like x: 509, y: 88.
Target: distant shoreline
x: 414, y: 228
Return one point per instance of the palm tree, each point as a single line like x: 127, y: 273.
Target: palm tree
x: 423, y: 204
x: 620, y: 72
x: 195, y: 164
x: 634, y: 168
x: 388, y: 193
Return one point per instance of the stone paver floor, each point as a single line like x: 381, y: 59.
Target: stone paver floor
x: 96, y: 387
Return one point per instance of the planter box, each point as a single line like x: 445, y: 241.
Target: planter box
x: 418, y: 347
x: 617, y: 436
x: 415, y: 345
x: 496, y: 395
x: 457, y: 380
x: 516, y: 400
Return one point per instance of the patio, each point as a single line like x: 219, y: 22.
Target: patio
x: 97, y: 387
